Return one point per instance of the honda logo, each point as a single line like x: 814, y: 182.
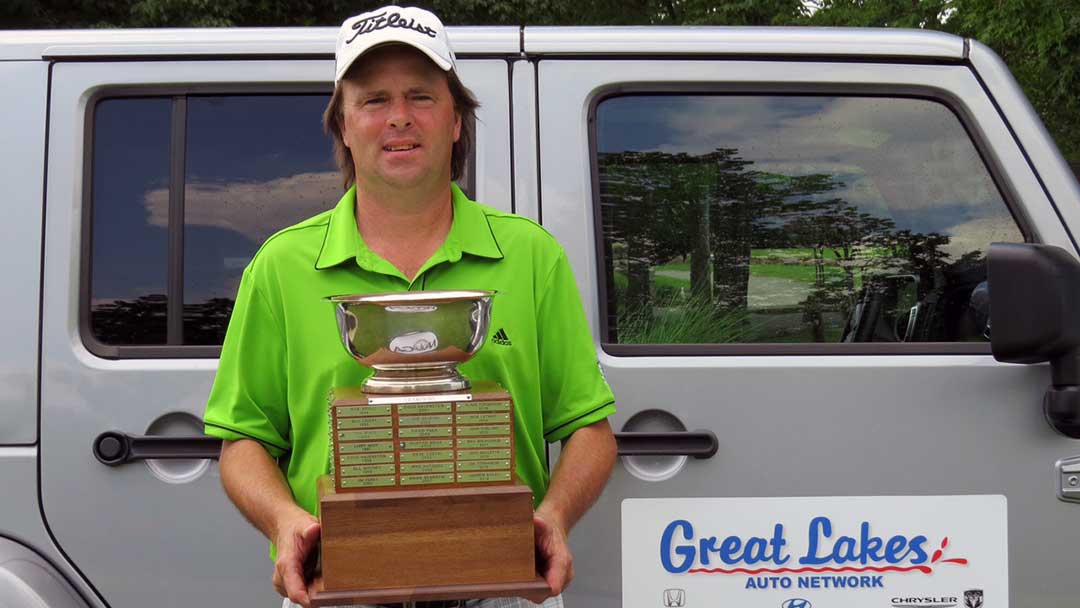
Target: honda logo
x: 674, y: 598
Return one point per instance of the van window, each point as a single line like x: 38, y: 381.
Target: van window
x: 793, y: 219
x: 253, y: 164
x: 128, y: 244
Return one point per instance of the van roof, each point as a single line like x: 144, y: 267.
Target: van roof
x: 502, y: 40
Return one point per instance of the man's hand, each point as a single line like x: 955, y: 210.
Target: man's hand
x: 257, y: 487
x: 584, y: 466
x: 553, y: 553
x: 296, y: 540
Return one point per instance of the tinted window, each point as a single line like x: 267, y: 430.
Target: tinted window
x: 129, y: 241
x: 779, y: 219
x: 253, y: 165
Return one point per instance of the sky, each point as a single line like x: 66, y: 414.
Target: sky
x: 906, y: 159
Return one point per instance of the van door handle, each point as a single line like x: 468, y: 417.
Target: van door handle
x: 115, y: 448
x: 699, y: 444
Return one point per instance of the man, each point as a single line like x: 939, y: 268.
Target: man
x: 401, y: 122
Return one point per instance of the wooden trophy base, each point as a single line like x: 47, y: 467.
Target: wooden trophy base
x: 320, y: 597
x: 414, y: 545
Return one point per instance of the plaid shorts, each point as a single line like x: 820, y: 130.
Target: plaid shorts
x: 495, y: 602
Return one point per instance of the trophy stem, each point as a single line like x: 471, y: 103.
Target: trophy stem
x: 436, y: 378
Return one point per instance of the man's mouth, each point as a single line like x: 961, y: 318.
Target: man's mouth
x: 402, y: 148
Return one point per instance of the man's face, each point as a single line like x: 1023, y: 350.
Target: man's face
x: 399, y: 120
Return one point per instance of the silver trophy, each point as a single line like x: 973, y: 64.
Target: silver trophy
x: 421, y: 458
x: 414, y: 340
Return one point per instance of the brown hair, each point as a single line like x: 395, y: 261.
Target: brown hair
x: 465, y: 105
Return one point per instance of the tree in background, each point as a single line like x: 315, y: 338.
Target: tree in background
x: 1038, y: 39
x: 269, y: 13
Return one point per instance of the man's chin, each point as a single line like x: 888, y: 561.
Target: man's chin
x: 410, y: 181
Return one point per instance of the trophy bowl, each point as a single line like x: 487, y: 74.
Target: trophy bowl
x: 414, y: 340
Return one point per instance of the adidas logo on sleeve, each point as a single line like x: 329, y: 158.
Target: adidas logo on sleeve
x: 501, y: 338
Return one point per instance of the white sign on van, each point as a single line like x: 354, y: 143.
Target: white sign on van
x: 820, y: 552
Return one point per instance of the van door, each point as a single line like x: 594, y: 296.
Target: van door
x: 163, y: 179
x: 791, y: 256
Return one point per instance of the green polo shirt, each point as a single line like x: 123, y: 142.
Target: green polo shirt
x: 282, y: 353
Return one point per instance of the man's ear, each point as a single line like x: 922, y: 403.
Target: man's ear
x: 457, y: 126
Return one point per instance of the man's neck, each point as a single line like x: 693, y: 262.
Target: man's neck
x: 404, y: 227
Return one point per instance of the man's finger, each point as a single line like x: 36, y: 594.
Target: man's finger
x: 560, y: 571
x: 541, y: 525
x: 279, y: 585
x: 555, y: 579
x: 310, y: 536
x: 537, y: 598
x: 295, y: 585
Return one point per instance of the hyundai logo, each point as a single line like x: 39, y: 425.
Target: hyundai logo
x: 796, y: 602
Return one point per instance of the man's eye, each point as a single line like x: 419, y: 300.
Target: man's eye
x: 374, y: 101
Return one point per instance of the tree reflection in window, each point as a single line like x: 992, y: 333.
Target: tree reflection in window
x: 788, y: 241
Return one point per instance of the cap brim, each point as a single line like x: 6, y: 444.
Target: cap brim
x: 443, y: 64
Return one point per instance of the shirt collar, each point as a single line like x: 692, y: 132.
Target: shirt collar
x: 469, y: 233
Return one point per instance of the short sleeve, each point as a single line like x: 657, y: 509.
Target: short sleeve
x: 573, y: 389
x: 249, y: 397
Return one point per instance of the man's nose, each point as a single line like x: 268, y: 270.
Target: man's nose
x: 400, y: 114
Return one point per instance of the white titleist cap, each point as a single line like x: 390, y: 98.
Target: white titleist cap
x: 410, y: 25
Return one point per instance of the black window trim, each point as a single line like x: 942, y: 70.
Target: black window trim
x: 905, y: 91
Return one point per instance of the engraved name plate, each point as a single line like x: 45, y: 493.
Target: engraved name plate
x: 368, y: 469
x: 482, y: 418
x: 483, y: 465
x: 427, y: 444
x: 483, y: 430
x: 431, y: 420
x: 365, y: 435
x: 425, y: 432
x: 427, y: 455
x: 489, y: 442
x: 430, y: 479
x: 481, y: 406
x: 368, y: 482
x: 347, y: 459
x: 363, y: 410
x: 364, y: 448
x: 367, y: 422
x: 482, y: 454
x: 427, y: 467
x: 483, y: 477
x: 405, y: 409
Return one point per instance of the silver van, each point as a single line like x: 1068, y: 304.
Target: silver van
x: 780, y: 237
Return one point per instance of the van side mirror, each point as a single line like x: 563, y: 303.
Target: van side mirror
x: 1034, y: 301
